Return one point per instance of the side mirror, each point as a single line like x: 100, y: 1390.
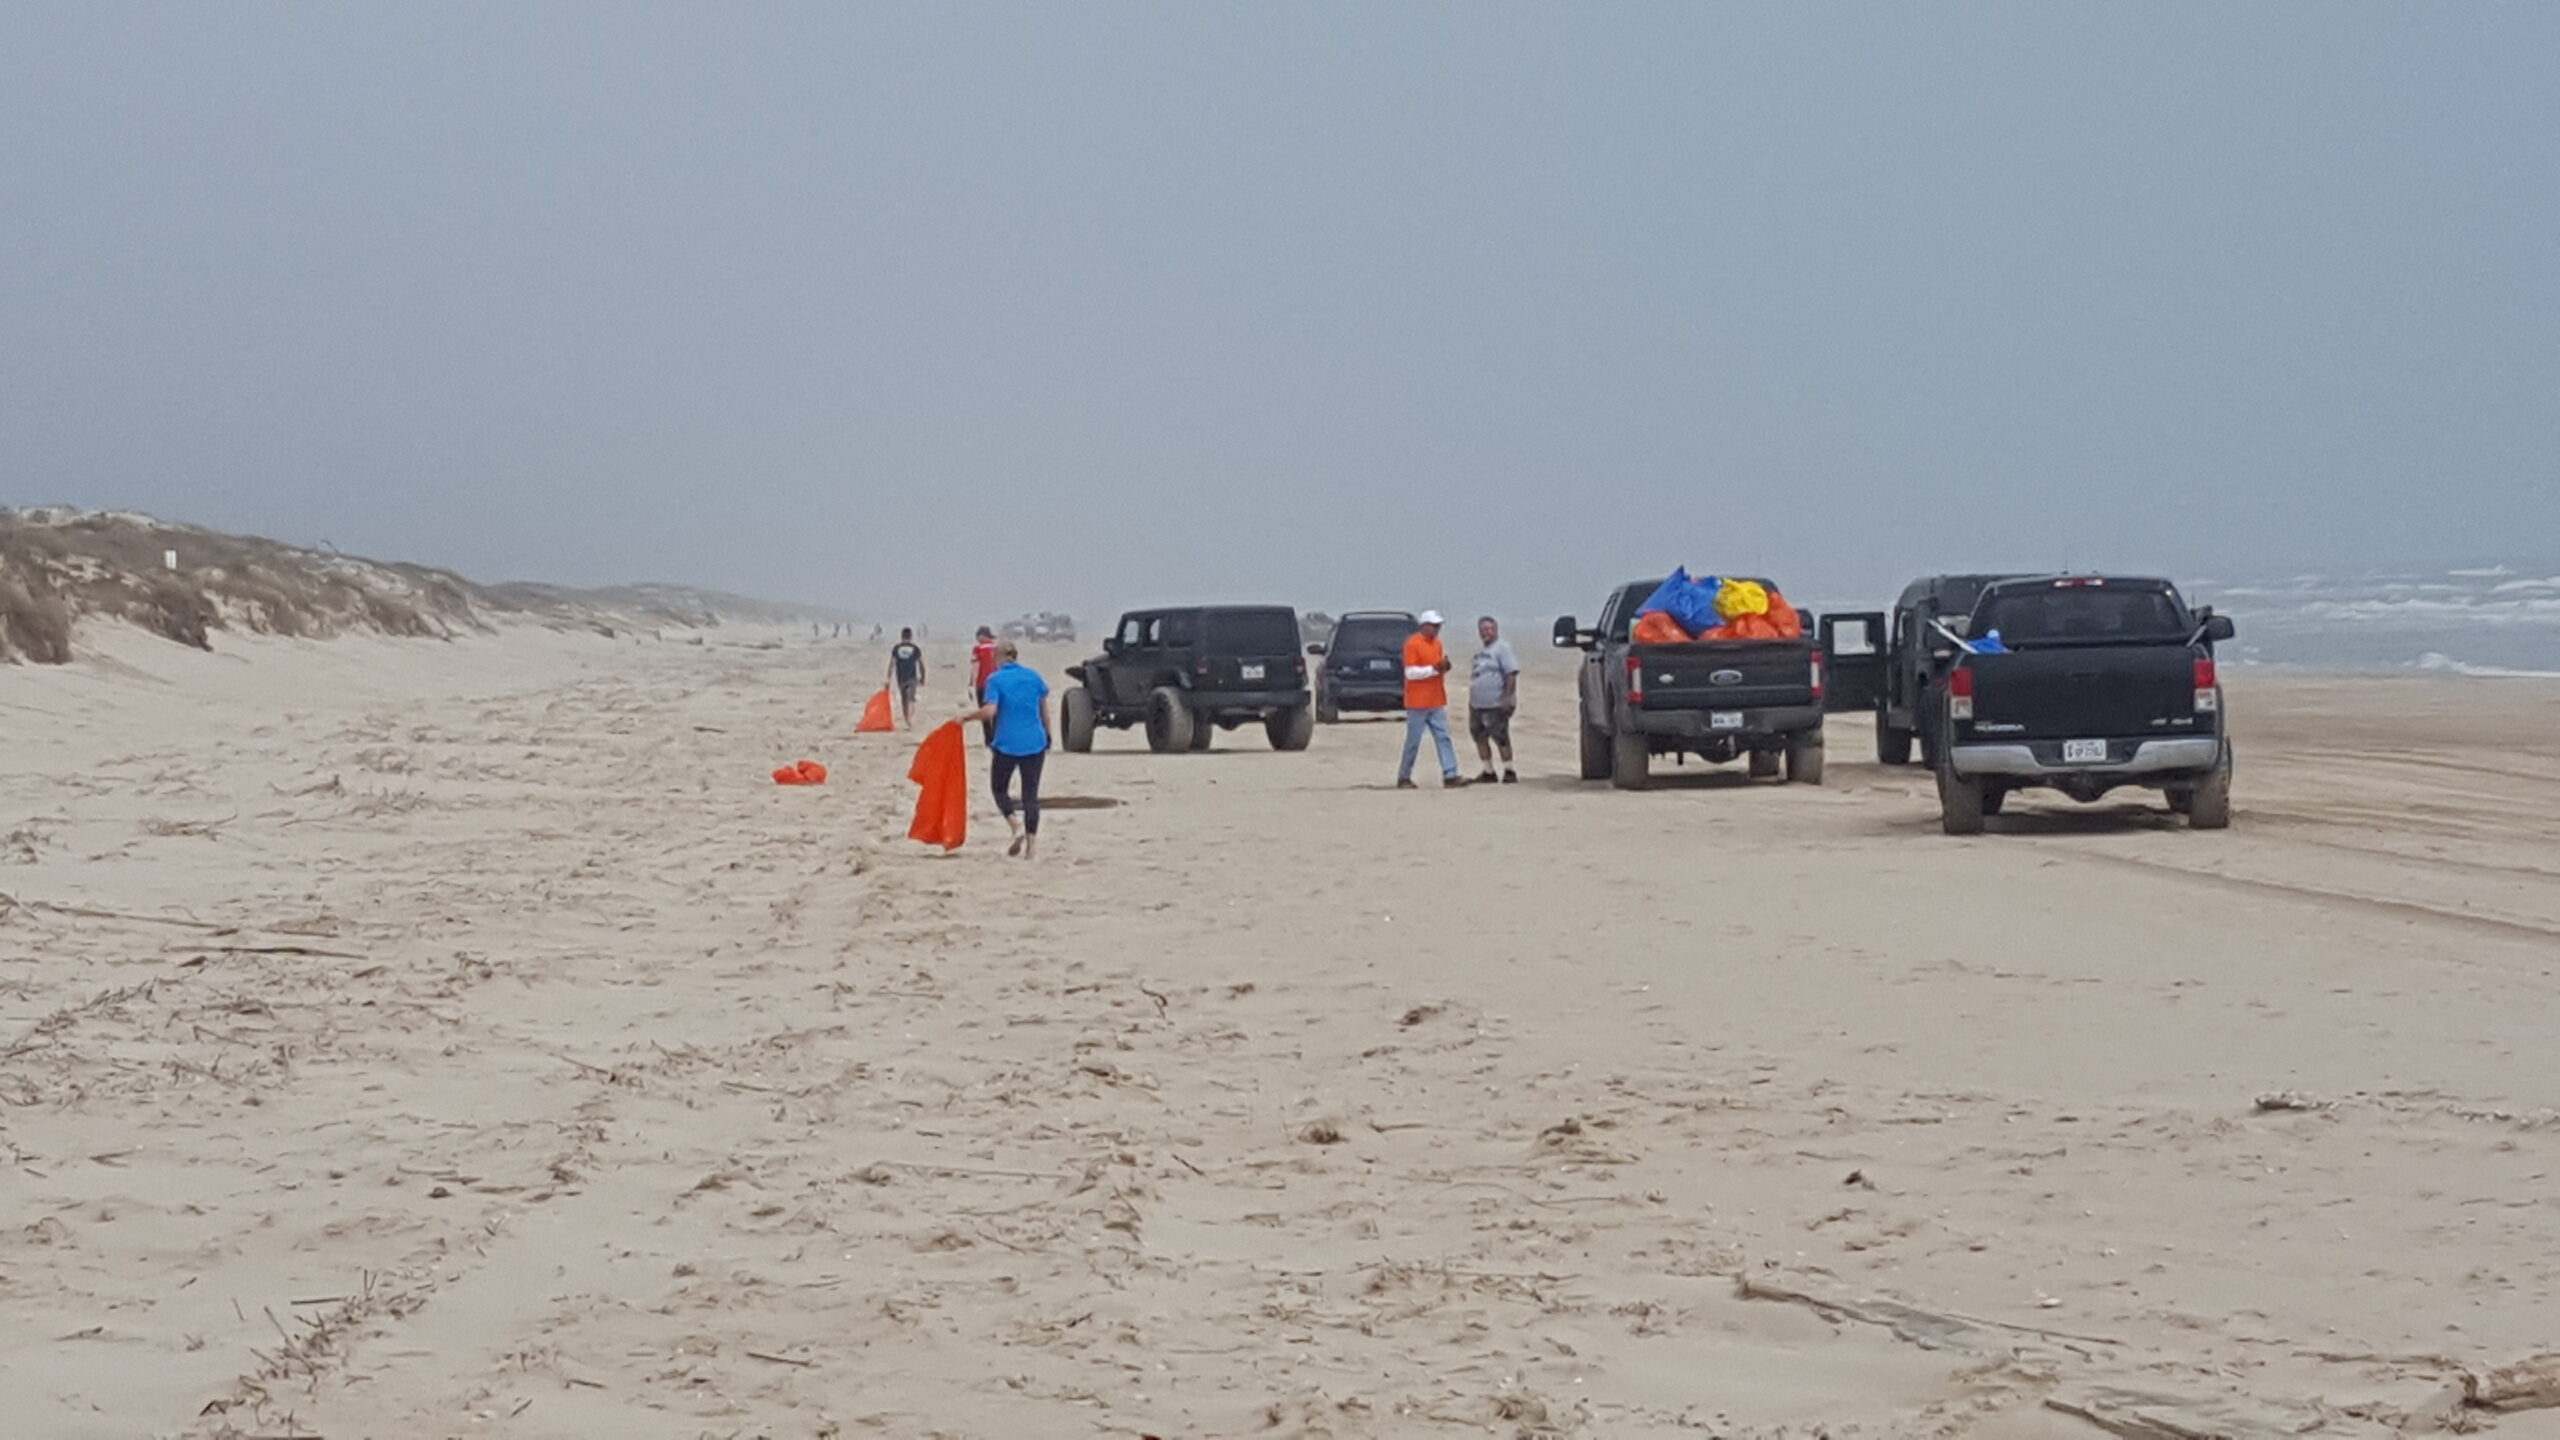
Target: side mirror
x: 1111, y: 646
x: 1568, y: 634
x: 2219, y: 627
x: 1316, y: 649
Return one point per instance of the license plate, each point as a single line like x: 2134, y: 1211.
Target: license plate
x: 1382, y: 666
x: 1724, y: 719
x: 2084, y: 752
x: 1253, y: 672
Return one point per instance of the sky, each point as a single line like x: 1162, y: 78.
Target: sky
x: 966, y: 310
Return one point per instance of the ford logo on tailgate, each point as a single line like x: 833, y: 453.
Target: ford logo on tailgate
x: 1725, y: 677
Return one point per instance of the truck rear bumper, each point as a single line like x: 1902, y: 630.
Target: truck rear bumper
x: 1234, y: 702
x: 1700, y: 724
x: 2126, y: 759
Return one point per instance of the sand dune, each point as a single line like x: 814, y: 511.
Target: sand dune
x: 425, y: 1039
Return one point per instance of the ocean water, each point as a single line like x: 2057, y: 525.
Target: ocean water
x: 2490, y: 620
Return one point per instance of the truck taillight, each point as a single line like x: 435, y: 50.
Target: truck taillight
x: 1635, y: 680
x: 2208, y: 693
x: 1960, y: 694
x: 1817, y: 675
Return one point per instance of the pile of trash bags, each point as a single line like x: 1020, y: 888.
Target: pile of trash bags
x: 1708, y: 607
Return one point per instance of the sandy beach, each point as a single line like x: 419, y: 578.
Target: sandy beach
x: 418, y: 1039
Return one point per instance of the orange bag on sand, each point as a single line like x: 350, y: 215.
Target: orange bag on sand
x: 877, y: 716
x: 942, y: 807
x: 1658, y: 628
x: 805, y: 772
x: 788, y: 775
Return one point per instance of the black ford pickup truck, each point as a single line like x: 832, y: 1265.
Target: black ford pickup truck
x: 1715, y: 699
x: 2083, y: 684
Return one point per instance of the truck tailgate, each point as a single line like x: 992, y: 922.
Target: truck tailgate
x: 2084, y: 692
x: 1726, y: 674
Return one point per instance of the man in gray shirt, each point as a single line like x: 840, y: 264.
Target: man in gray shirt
x: 1493, y: 692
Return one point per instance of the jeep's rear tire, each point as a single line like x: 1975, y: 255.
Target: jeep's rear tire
x: 1804, y: 759
x: 1630, y: 761
x: 1595, y: 751
x: 1893, y: 743
x: 1169, y: 722
x: 1290, y: 729
x: 2209, y: 808
x: 1075, y: 720
x: 1959, y: 803
x: 1764, y: 763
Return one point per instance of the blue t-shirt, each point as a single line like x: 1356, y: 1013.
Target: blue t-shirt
x: 1016, y: 691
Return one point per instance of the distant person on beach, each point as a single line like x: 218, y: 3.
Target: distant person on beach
x: 906, y: 671
x: 982, y: 663
x: 1493, y: 692
x: 1426, y: 702
x: 1014, y: 706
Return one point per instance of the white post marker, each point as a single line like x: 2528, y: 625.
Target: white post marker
x: 169, y: 558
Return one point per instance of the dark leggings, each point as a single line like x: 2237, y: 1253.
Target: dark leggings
x: 1029, y: 765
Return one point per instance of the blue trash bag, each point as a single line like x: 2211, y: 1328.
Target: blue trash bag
x: 1988, y: 643
x: 1691, y: 601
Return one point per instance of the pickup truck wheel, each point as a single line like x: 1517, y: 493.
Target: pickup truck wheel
x: 1169, y: 722
x: 1959, y: 803
x: 1291, y: 729
x: 1596, y: 761
x: 1203, y: 730
x: 2210, y: 806
x: 1327, y: 710
x: 1075, y: 720
x: 1804, y: 762
x: 1764, y: 763
x: 1893, y: 743
x: 1630, y: 761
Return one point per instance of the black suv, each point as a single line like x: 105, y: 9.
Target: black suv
x: 1363, y: 665
x: 1186, y: 673
x: 1916, y: 661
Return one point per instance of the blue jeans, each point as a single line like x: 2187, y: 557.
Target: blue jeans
x: 1437, y: 722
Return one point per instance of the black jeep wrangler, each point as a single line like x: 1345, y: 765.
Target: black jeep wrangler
x: 1187, y: 673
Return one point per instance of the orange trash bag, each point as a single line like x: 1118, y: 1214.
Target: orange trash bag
x: 1658, y: 628
x: 942, y: 806
x: 804, y: 772
x: 1783, y: 615
x: 877, y: 716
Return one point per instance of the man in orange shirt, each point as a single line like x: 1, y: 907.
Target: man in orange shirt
x: 1426, y: 702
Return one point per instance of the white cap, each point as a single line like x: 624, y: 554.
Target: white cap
x: 1430, y: 617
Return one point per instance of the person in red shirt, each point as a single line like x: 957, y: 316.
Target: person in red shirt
x: 982, y: 663
x: 1426, y: 702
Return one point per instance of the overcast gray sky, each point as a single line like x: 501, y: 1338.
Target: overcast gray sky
x: 973, y: 309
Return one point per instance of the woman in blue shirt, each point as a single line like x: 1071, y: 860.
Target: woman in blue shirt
x: 1017, y: 708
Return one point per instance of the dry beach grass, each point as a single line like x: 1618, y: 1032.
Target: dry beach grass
x: 407, y: 1039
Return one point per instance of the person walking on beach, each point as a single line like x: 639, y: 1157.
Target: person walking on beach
x: 1493, y: 692
x: 1426, y: 702
x: 1014, y: 706
x: 906, y: 671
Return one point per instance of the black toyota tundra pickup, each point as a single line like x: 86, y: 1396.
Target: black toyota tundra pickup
x: 2082, y: 684
x: 1715, y: 699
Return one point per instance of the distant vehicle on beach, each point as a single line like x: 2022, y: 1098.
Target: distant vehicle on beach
x: 1363, y: 663
x: 2082, y: 684
x: 1186, y: 673
x: 1759, y: 700
x: 1045, y: 627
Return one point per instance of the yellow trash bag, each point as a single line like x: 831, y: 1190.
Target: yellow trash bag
x: 1738, y: 598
